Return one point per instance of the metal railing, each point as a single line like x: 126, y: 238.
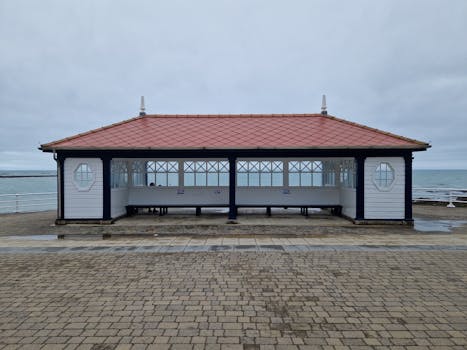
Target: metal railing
x: 27, y: 202
x: 440, y: 195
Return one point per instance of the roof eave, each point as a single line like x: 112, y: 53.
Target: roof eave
x: 403, y: 147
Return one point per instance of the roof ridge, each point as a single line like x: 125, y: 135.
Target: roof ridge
x: 233, y: 115
x: 50, y: 144
x: 387, y: 133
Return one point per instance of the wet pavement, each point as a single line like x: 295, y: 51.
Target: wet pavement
x: 227, y: 248
x: 229, y: 299
x: 427, y: 225
x: 327, y: 285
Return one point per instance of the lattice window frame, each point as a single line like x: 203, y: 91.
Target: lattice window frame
x: 206, y: 173
x: 260, y: 173
x: 119, y: 174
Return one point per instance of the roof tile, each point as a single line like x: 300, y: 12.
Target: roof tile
x: 234, y: 131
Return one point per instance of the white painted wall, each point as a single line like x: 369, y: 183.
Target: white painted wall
x: 385, y: 204
x: 79, y: 203
x: 174, y: 196
x: 119, y: 200
x: 348, y: 200
x: 292, y: 196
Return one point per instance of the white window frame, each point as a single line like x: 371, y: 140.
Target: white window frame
x: 306, y: 168
x: 161, y: 171
x: 260, y: 173
x: 119, y: 174
x: 380, y: 177
x: 206, y: 173
x: 348, y: 173
x: 81, y: 183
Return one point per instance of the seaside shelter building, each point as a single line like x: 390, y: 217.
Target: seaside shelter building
x: 235, y: 161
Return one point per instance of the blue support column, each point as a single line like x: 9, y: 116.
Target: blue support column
x: 106, y: 189
x: 232, y: 187
x: 360, y: 212
x: 408, y: 187
x: 60, y: 187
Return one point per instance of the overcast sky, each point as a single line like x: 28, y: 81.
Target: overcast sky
x: 70, y: 66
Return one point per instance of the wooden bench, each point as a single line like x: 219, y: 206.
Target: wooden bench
x: 336, y: 209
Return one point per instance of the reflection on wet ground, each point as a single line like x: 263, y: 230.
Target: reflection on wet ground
x: 34, y: 237
x: 426, y: 225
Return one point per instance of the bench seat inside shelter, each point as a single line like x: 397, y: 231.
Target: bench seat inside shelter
x: 336, y: 209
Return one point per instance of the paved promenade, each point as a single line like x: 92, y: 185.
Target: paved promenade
x: 234, y: 300
x: 370, y: 288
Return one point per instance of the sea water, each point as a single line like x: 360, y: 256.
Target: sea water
x: 440, y: 178
x: 14, y: 184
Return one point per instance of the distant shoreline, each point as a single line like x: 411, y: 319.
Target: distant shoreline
x: 16, y: 176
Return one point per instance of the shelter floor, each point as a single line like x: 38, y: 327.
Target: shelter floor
x: 246, y: 216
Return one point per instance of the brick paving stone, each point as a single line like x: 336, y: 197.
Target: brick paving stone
x: 234, y: 300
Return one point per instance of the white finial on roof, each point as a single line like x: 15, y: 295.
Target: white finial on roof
x: 142, y: 110
x: 323, y: 106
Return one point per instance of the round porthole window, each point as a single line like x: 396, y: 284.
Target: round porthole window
x: 83, y: 177
x: 384, y: 176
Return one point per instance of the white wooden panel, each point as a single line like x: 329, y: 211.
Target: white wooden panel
x: 292, y: 196
x: 119, y: 200
x: 348, y: 200
x: 83, y: 204
x: 380, y: 204
x: 174, y: 196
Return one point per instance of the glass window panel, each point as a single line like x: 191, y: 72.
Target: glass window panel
x: 212, y: 179
x: 200, y: 179
x: 293, y: 166
x: 331, y: 179
x: 161, y: 179
x: 200, y: 166
x: 317, y: 166
x: 317, y: 179
x: 161, y: 167
x: 224, y: 167
x: 277, y: 179
x: 384, y: 175
x: 306, y: 179
x: 189, y: 166
x: 253, y: 166
x: 242, y: 167
x: 277, y: 167
x: 305, y: 166
x: 265, y: 166
x: 242, y: 179
x: 150, y: 166
x: 266, y: 179
x: 189, y: 179
x: 172, y: 179
x: 253, y: 179
x: 151, y: 179
x: 294, y: 179
x: 224, y: 179
x: 213, y: 167
x: 172, y: 167
x: 138, y: 179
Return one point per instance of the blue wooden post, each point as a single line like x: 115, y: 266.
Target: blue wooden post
x: 360, y: 212
x: 232, y: 188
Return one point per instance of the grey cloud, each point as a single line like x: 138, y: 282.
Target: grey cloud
x: 68, y: 67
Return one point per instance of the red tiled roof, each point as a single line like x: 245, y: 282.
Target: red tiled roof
x: 234, y: 132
